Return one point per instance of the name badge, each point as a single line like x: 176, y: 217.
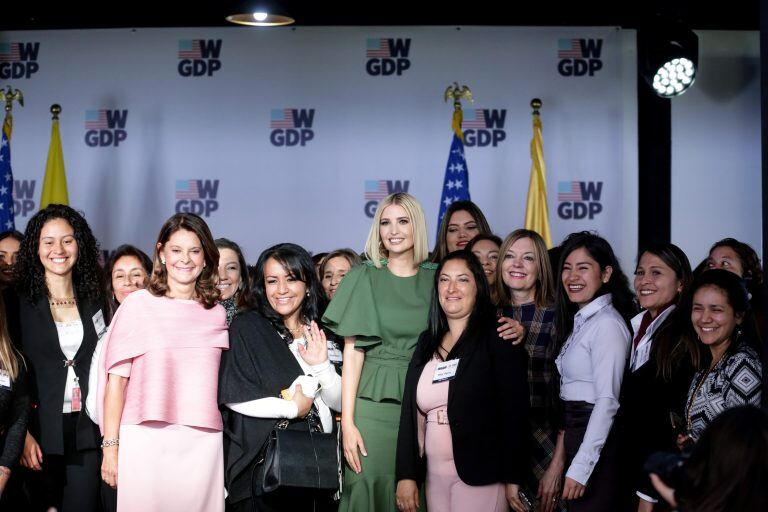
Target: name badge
x: 334, y: 354
x: 445, y: 371
x: 99, y: 324
x: 5, y: 379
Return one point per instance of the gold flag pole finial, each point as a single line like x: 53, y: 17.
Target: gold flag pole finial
x: 535, y: 105
x: 458, y: 93
x: 55, y: 111
x: 9, y: 96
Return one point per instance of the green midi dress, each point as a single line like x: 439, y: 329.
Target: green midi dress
x: 386, y: 314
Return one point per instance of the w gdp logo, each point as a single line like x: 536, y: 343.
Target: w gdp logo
x: 199, y: 57
x: 579, y: 199
x: 483, y: 126
x: 18, y: 60
x: 105, y: 127
x: 376, y: 190
x: 291, y: 126
x: 387, y: 56
x: 197, y: 196
x: 24, y: 197
x: 579, y: 57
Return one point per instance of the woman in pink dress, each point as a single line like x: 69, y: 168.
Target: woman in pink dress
x: 162, y: 428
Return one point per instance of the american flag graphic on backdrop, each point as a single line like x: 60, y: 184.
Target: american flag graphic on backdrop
x: 377, y: 47
x: 282, y: 118
x: 190, y: 49
x: 569, y: 49
x: 187, y: 189
x: 569, y: 191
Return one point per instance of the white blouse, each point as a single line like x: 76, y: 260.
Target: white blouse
x: 591, y: 365
x: 640, y: 354
x: 329, y: 396
x: 70, y: 339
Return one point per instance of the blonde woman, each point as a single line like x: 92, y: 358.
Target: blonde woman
x: 14, y: 405
x: 380, y: 309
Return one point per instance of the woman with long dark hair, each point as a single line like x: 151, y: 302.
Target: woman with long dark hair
x: 658, y: 372
x: 730, y: 371
x: 61, y: 317
x: 234, y: 283
x: 727, y: 470
x: 464, y: 422
x: 159, y: 370
x: 272, y: 346
x: 127, y: 270
x: 594, y: 306
x: 462, y: 221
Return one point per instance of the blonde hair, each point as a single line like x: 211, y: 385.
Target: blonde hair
x: 9, y: 357
x: 374, y: 248
x: 545, y: 283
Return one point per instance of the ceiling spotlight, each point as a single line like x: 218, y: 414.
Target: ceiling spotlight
x: 669, y: 58
x: 263, y: 16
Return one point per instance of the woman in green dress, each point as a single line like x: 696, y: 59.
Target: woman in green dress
x: 380, y: 309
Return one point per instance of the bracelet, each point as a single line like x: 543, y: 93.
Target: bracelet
x: 110, y: 442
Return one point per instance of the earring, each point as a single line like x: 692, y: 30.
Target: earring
x: 203, y: 264
x: 162, y: 261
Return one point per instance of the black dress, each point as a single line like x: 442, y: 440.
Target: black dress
x: 257, y: 365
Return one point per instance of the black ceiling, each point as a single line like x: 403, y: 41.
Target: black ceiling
x: 736, y: 15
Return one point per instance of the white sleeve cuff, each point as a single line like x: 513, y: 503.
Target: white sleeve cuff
x: 645, y: 497
x: 271, y: 407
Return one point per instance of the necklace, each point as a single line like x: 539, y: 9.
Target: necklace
x: 62, y: 302
x: 296, y: 330
x: 696, y: 391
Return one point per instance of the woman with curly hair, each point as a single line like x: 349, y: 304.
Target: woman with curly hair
x: 60, y: 318
x: 162, y: 427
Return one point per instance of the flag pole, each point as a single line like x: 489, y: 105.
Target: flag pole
x: 9, y: 96
x: 536, y: 209
x: 457, y: 93
x: 55, y: 180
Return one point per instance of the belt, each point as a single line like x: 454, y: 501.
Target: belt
x: 439, y: 416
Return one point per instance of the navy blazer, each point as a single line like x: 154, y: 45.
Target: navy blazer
x: 487, y: 411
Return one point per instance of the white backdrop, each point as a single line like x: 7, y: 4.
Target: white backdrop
x: 173, y: 130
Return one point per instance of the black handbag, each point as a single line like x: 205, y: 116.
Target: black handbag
x: 306, y: 458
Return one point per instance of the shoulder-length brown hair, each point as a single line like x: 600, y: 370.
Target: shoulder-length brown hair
x: 545, y: 282
x: 205, y: 286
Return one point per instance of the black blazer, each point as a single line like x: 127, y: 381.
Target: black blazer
x: 37, y: 338
x: 643, y: 425
x: 487, y: 410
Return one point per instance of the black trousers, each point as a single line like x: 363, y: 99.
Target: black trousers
x: 603, y: 490
x: 69, y: 482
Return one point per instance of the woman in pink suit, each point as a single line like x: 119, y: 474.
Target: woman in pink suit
x: 162, y: 428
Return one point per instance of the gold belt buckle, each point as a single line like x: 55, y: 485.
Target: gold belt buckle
x: 442, y: 417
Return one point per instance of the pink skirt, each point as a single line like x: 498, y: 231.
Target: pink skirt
x: 170, y: 468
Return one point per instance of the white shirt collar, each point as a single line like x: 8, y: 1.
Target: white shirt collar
x: 591, y: 310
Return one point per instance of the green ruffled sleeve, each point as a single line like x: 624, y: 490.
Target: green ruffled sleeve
x: 352, y: 311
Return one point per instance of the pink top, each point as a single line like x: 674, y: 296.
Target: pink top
x: 170, y: 351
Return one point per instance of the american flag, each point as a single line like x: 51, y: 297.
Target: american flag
x: 377, y: 48
x: 456, y: 181
x: 96, y: 120
x: 187, y: 189
x: 569, y: 49
x: 376, y: 190
x: 569, y: 191
x: 282, y: 118
x: 473, y: 118
x: 189, y: 49
x: 9, y: 52
x: 6, y: 178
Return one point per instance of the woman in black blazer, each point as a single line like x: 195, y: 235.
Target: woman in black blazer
x: 474, y: 451
x: 60, y: 318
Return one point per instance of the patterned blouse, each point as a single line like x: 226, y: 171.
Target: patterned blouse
x: 735, y: 380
